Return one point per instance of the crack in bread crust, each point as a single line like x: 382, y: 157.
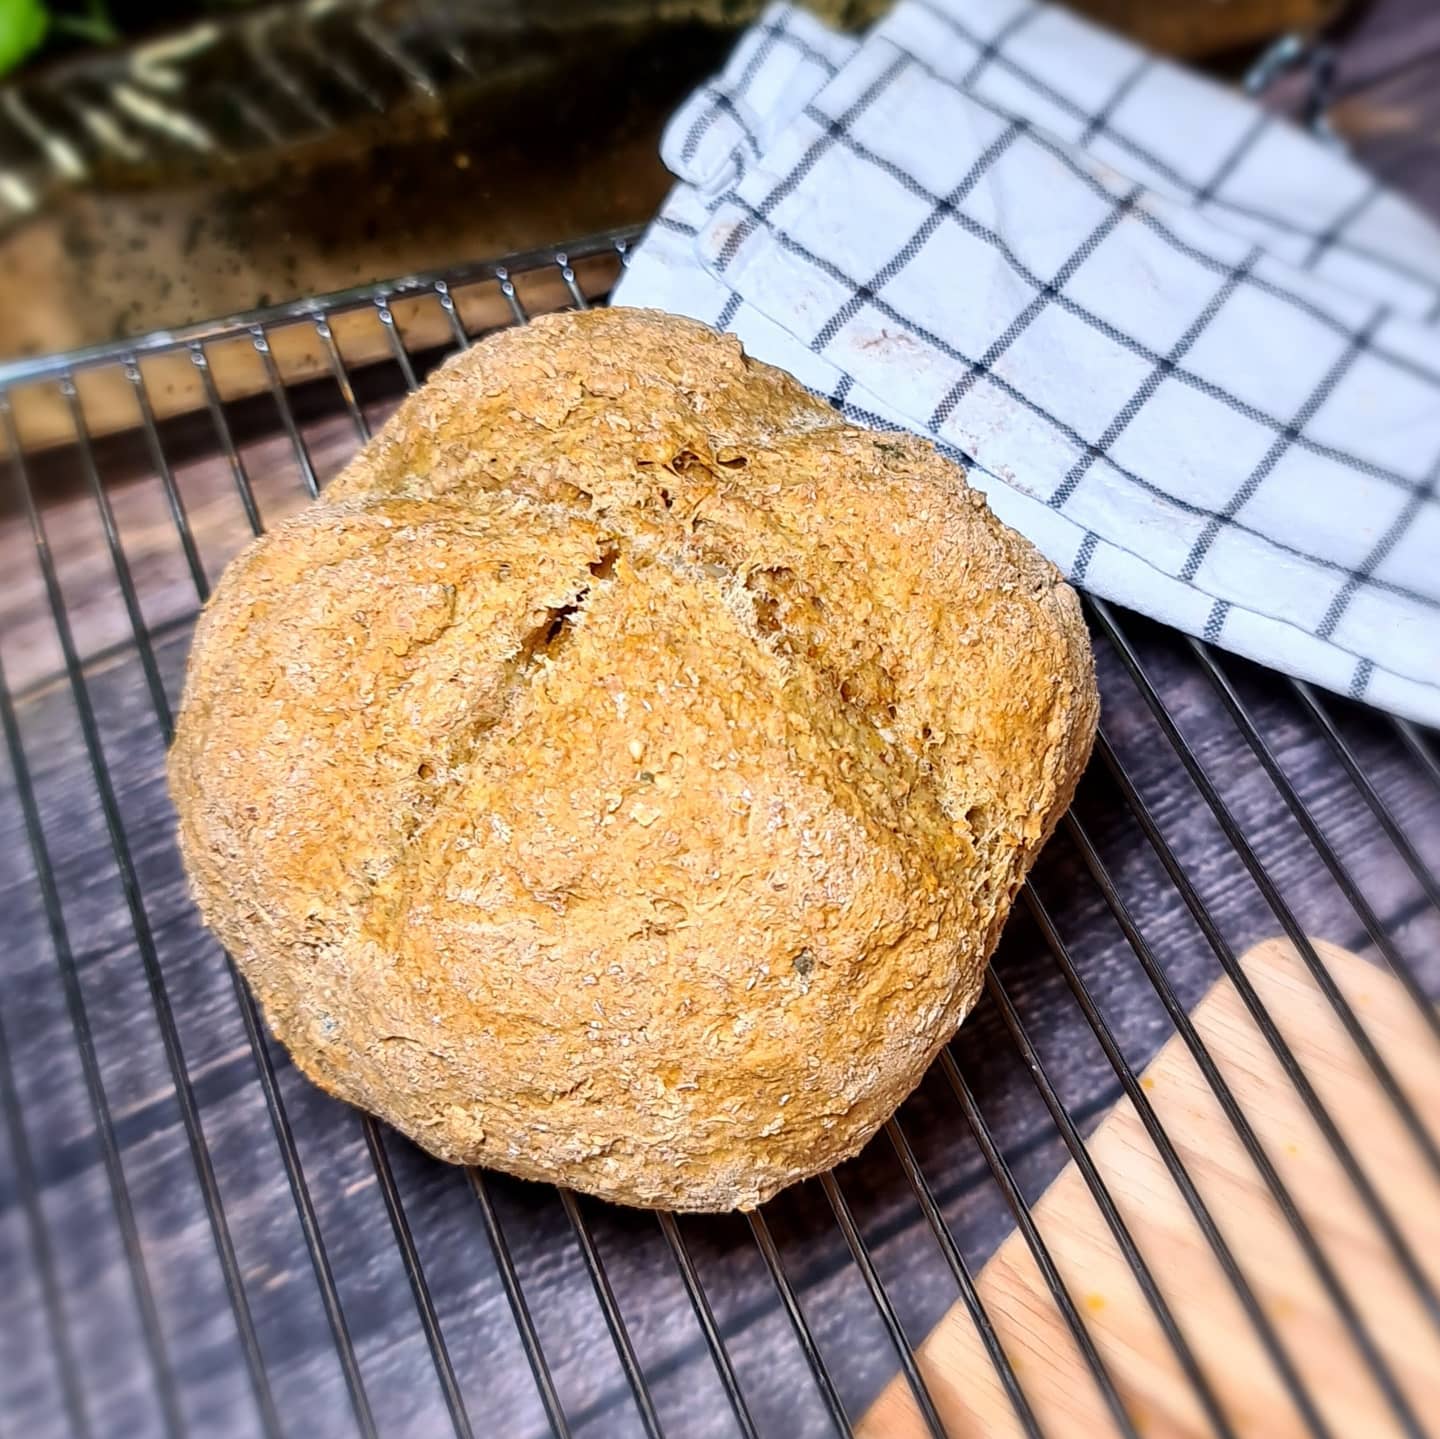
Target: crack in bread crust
x: 621, y: 775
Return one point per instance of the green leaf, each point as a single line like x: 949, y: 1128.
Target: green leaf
x: 23, y: 24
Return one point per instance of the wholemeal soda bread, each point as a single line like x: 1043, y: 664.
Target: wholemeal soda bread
x: 621, y: 775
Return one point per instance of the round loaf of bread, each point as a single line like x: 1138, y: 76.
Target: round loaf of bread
x: 621, y: 775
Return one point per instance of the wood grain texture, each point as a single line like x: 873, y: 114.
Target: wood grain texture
x: 1155, y: 1390
x: 1384, y: 101
x: 174, y: 386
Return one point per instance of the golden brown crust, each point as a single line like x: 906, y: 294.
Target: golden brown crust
x: 622, y: 775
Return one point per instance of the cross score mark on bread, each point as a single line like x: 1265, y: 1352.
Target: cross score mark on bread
x: 622, y: 774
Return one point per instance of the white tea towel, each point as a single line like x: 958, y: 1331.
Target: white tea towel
x: 1188, y: 350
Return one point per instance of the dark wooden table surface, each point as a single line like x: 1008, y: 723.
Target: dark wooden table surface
x: 72, y: 915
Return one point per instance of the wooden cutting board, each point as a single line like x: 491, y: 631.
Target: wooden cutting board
x: 174, y: 386
x: 1149, y: 1379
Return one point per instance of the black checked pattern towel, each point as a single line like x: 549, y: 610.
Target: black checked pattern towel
x: 1190, y: 351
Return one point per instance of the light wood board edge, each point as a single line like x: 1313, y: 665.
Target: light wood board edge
x: 108, y: 399
x: 1157, y: 1395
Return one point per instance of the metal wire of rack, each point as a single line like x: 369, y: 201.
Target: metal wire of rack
x: 192, y: 1240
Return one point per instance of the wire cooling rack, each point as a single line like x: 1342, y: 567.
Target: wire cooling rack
x: 193, y: 1240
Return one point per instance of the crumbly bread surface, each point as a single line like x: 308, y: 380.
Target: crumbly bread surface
x: 621, y: 775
